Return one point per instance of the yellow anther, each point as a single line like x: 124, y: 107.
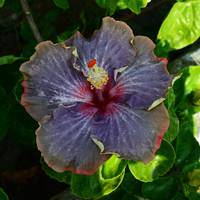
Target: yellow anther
x: 97, y: 76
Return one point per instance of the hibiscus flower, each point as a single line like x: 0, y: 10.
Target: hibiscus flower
x: 98, y: 97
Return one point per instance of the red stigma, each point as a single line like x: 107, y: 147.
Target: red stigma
x: 92, y: 63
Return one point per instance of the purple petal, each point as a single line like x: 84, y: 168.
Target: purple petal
x: 110, y: 46
x: 131, y: 134
x: 141, y: 85
x: 52, y: 81
x: 144, y: 51
x: 65, y: 141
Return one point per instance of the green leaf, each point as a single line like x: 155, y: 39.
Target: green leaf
x: 26, y: 32
x: 120, y: 4
x: 173, y: 129
x: 162, y: 189
x: 102, y: 182
x: 193, y: 193
x: 29, y: 49
x: 62, y: 177
x: 165, y: 157
x: 10, y: 72
x: 4, y: 113
x: 23, y: 126
x: 51, y: 15
x: 113, y: 167
x: 110, y: 5
x: 187, y: 148
x: 179, y: 196
x: 181, y: 27
x: 10, y: 59
x: 136, y: 5
x: 18, y: 89
x: 68, y: 33
x: 117, y: 194
x: 14, y: 5
x: 1, y: 2
x: 62, y: 4
x: 195, y: 97
x: 131, y: 185
x: 191, y: 79
x: 194, y: 178
x: 3, y: 195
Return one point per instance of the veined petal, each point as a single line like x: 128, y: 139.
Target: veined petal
x: 52, y: 81
x: 131, y: 134
x: 110, y: 46
x: 141, y: 85
x: 65, y: 140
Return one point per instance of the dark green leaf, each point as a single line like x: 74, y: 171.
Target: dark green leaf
x: 4, y: 113
x: 117, y: 194
x: 51, y: 15
x: 62, y: 3
x: 131, y: 185
x: 10, y: 73
x: 193, y: 193
x: 173, y: 129
x: 18, y: 89
x: 29, y: 49
x: 23, y: 126
x: 136, y: 5
x: 68, y: 33
x: 181, y: 27
x: 165, y: 157
x: 162, y: 189
x: 26, y: 32
x: 127, y: 196
x: 187, y: 148
x: 3, y: 195
x: 14, y: 5
x: 62, y: 177
x: 191, y: 79
x: 102, y: 182
x: 180, y: 197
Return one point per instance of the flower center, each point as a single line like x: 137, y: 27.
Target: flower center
x: 97, y: 76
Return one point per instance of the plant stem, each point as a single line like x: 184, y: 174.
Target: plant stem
x: 31, y: 22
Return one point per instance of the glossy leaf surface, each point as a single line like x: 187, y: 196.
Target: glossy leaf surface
x: 181, y: 27
x: 173, y: 129
x: 131, y: 185
x: 62, y: 177
x: 3, y: 195
x: 102, y: 182
x: 162, y: 189
x: 187, y: 148
x: 165, y: 157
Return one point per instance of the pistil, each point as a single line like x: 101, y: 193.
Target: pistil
x: 97, y: 76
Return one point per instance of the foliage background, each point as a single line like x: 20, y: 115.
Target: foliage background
x: 175, y: 173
